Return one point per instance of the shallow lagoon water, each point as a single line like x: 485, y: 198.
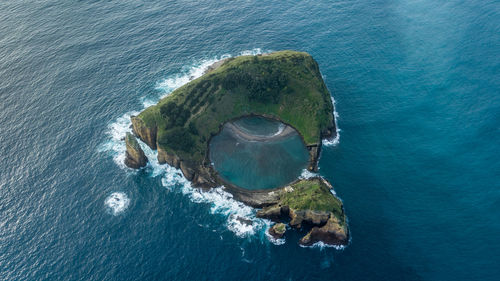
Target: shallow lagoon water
x: 258, y: 153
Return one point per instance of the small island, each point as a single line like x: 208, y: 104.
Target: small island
x: 284, y: 87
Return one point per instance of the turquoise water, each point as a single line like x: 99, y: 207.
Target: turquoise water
x: 416, y: 89
x: 268, y: 162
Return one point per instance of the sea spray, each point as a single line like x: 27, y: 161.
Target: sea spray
x: 320, y: 245
x: 335, y: 140
x: 281, y: 128
x: 240, y: 219
x: 117, y: 203
x: 306, y: 174
x: 116, y: 144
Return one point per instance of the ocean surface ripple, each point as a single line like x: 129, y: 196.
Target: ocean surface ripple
x: 416, y: 94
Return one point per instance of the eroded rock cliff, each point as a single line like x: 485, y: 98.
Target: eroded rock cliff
x: 134, y: 156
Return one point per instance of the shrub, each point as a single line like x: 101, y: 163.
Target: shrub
x: 262, y: 84
x: 192, y: 128
x: 175, y: 115
x: 178, y: 138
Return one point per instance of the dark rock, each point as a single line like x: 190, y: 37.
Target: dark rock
x: 333, y: 233
x: 272, y: 212
x: 169, y: 158
x: 277, y: 231
x: 147, y: 135
x: 135, y: 157
x: 244, y: 221
x: 310, y: 216
x: 186, y: 171
x: 314, y: 151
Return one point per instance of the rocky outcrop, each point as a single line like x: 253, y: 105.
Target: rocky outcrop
x: 203, y: 177
x: 273, y: 213
x: 334, y: 232
x: 277, y: 231
x: 298, y: 217
x: 309, y: 203
x: 215, y: 65
x: 169, y: 158
x: 146, y: 134
x: 253, y: 198
x: 187, y: 171
x: 326, y: 227
x: 313, y: 157
x: 200, y: 176
x: 134, y: 156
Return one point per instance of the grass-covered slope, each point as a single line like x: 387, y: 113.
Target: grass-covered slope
x: 314, y: 195
x: 286, y: 85
x: 309, y: 202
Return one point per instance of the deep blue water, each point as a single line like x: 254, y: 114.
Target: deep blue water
x: 416, y: 85
x: 269, y: 161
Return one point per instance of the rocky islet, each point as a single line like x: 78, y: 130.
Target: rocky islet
x: 285, y: 86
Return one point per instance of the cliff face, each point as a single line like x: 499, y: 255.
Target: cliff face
x: 314, y: 151
x: 277, y: 231
x: 146, y: 133
x: 332, y: 233
x: 134, y: 156
x: 199, y: 175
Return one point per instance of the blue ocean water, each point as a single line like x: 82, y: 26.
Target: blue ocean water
x: 417, y: 93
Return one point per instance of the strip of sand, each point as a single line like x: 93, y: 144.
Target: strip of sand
x: 245, y: 135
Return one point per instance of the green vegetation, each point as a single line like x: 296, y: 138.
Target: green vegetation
x: 132, y: 141
x: 179, y: 139
x: 286, y: 85
x: 280, y: 228
x: 312, y: 194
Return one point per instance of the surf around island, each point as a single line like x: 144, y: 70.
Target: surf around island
x: 284, y: 86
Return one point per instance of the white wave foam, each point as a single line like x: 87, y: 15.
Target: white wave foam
x: 253, y: 52
x: 169, y: 84
x: 334, y: 141
x: 306, y: 174
x: 241, y: 219
x: 192, y: 72
x: 116, y: 203
x: 116, y: 131
x: 320, y: 245
x: 273, y: 240
x: 281, y: 128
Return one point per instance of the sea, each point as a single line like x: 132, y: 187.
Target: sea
x: 416, y: 87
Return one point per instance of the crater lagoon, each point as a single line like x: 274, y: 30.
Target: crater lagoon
x: 258, y: 153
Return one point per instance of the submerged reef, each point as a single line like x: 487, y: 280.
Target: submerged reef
x: 286, y: 86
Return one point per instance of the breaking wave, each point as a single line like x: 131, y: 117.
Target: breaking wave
x: 321, y: 246
x: 335, y: 140
x: 240, y: 219
x: 117, y: 203
x: 306, y: 174
x: 273, y: 240
x: 281, y: 128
